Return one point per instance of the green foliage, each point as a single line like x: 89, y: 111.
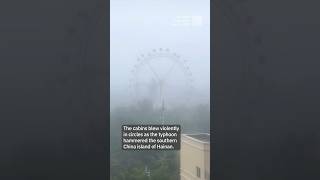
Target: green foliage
x: 163, y: 165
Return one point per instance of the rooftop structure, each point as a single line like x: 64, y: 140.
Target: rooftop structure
x: 195, y: 157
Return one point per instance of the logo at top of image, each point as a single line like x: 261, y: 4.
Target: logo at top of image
x: 188, y: 21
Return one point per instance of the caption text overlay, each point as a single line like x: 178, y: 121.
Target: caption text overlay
x: 151, y: 137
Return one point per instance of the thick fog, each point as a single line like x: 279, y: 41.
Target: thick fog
x: 140, y: 26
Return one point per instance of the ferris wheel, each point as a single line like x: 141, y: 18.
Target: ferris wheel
x: 163, y: 77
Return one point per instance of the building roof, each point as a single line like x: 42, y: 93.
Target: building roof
x: 201, y: 137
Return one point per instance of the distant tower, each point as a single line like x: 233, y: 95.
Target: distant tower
x: 162, y: 112
x: 147, y: 172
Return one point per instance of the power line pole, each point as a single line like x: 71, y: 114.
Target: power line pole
x: 147, y: 172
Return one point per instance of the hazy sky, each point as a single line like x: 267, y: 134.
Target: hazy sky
x: 139, y: 26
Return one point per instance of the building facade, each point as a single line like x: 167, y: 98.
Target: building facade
x: 195, y: 157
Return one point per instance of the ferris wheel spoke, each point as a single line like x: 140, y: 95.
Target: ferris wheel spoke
x: 153, y: 71
x: 169, y: 72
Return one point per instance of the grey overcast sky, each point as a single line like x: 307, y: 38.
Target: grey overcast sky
x: 139, y: 26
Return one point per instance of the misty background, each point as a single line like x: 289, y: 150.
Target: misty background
x: 180, y: 31
x: 139, y: 26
